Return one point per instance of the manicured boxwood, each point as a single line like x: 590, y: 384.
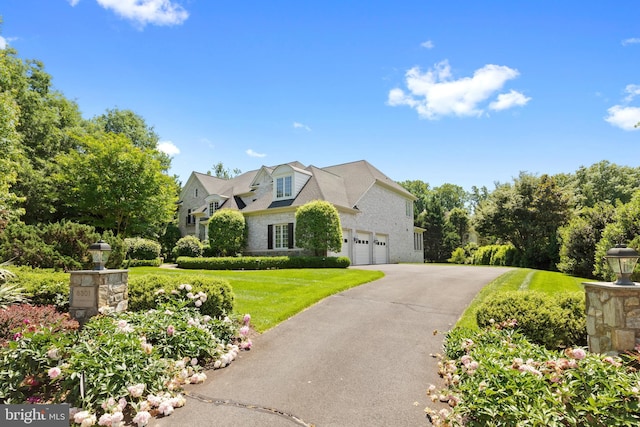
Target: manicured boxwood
x: 262, y: 263
x: 143, y: 292
x: 553, y: 321
x: 142, y: 263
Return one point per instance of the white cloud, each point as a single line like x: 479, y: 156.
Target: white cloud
x: 298, y: 125
x: 252, y: 153
x: 436, y: 94
x: 428, y: 44
x: 168, y: 148
x: 623, y: 117
x: 73, y: 2
x: 3, y: 43
x: 633, y: 40
x: 158, y: 12
x: 633, y: 91
x: 508, y: 100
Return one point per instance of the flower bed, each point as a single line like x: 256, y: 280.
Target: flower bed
x: 124, y: 367
x: 497, y: 377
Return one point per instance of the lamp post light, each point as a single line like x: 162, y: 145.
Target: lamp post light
x: 622, y: 261
x: 100, y: 252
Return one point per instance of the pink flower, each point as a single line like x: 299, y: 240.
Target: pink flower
x: 246, y: 345
x: 612, y: 361
x: 105, y: 420
x: 246, y: 319
x: 244, y: 331
x: 578, y: 353
x: 198, y: 303
x: 136, y: 390
x: 142, y: 418
x: 165, y: 408
x: 170, y: 330
x: 54, y: 373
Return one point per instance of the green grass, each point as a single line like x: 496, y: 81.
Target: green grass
x: 272, y: 296
x: 521, y: 279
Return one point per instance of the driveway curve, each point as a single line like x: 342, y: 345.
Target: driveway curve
x: 358, y: 358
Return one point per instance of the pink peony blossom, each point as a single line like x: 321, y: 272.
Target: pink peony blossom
x: 54, y: 373
x: 105, y: 420
x: 246, y: 345
x: 136, y: 390
x: 170, y: 330
x: 578, y: 353
x: 165, y: 407
x: 244, y: 331
x: 246, y: 319
x: 142, y: 418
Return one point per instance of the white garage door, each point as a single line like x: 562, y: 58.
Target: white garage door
x: 380, y: 249
x: 362, y: 250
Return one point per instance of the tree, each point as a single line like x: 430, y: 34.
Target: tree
x: 460, y: 223
x: 9, y: 161
x: 419, y: 189
x: 451, y: 196
x: 114, y: 185
x: 528, y: 215
x: 439, y: 237
x: 578, y: 239
x: 318, y: 228
x: 605, y: 182
x: 219, y: 171
x: 227, y: 232
x: 624, y: 229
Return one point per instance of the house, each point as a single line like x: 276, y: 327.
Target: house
x: 376, y: 213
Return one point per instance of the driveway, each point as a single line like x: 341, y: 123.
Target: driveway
x: 362, y: 357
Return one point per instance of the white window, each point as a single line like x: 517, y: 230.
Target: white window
x: 409, y: 208
x: 213, y: 207
x: 284, y: 187
x: 417, y: 241
x: 281, y: 236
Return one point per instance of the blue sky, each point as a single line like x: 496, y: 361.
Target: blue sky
x: 461, y: 92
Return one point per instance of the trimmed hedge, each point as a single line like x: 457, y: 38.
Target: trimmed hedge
x: 142, y: 263
x: 502, y: 255
x: 556, y: 321
x: 143, y: 292
x: 142, y: 249
x: 44, y: 286
x: 262, y: 263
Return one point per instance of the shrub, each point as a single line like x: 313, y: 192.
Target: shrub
x: 501, y: 255
x: 497, y: 377
x: 552, y: 321
x: 141, y: 249
x: 143, y: 292
x: 318, y: 227
x: 16, y: 318
x: 142, y: 263
x: 458, y: 256
x: 227, y: 232
x: 169, y: 239
x: 44, y: 286
x: 188, y: 246
x: 262, y: 263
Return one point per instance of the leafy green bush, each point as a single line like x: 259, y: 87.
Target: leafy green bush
x: 142, y: 263
x: 262, y: 263
x: 142, y: 249
x: 227, y: 232
x: 458, y: 256
x: 15, y: 318
x: 144, y: 291
x: 169, y: 239
x: 502, y: 255
x: 496, y: 377
x: 188, y: 246
x: 553, y: 321
x: 44, y: 286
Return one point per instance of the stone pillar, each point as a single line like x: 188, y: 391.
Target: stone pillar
x: 93, y: 290
x: 613, y: 317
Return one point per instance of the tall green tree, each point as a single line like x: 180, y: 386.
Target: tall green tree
x: 578, y: 239
x: 9, y: 160
x: 114, y: 185
x: 526, y: 214
x: 440, y: 239
x: 460, y: 223
x: 451, y: 196
x: 318, y: 228
x: 220, y: 171
x: 44, y: 119
x: 605, y: 182
x: 227, y: 232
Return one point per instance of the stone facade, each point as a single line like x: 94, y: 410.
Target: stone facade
x: 93, y: 290
x: 613, y: 317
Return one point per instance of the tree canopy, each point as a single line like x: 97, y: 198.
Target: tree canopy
x: 227, y: 232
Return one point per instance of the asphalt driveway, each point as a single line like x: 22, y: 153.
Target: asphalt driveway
x: 359, y: 358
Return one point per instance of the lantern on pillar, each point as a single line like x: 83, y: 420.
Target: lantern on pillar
x: 622, y: 261
x: 100, y: 252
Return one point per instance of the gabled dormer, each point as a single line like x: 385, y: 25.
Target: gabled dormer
x: 213, y: 203
x: 288, y: 181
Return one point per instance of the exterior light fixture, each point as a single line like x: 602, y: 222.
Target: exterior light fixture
x: 622, y: 261
x: 100, y: 252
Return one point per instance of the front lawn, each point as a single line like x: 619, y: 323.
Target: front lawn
x: 272, y: 296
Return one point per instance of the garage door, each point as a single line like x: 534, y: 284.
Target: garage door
x: 380, y: 249
x: 362, y: 250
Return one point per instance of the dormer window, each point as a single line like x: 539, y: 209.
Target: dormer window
x: 213, y: 207
x: 284, y: 187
